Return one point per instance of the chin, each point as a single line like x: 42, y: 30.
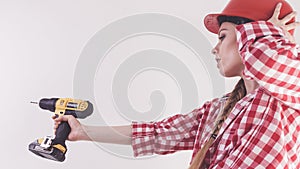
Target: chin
x: 231, y: 72
x: 228, y: 74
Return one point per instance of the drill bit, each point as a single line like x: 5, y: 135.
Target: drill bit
x: 34, y: 102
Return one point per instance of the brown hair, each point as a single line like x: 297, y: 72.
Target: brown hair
x: 237, y: 94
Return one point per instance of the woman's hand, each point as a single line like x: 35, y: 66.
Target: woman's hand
x: 77, y: 131
x: 103, y: 134
x: 283, y: 22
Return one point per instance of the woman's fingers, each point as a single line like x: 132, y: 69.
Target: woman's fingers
x: 292, y: 26
x: 58, y: 120
x: 281, y: 22
x: 276, y: 11
x: 287, y: 18
x: 66, y: 118
x: 61, y: 118
x: 56, y: 124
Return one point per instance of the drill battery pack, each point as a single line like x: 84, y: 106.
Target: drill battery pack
x: 43, y: 147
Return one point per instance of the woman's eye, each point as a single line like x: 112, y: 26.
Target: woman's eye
x: 221, y: 37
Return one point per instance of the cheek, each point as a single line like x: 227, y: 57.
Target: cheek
x: 230, y: 50
x: 228, y: 53
x: 234, y: 66
x: 231, y: 61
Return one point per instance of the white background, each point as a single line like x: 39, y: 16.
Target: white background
x: 41, y: 41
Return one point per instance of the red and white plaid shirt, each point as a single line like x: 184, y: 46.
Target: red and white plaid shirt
x: 262, y: 130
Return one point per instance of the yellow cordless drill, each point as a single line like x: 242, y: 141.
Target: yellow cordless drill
x: 54, y: 148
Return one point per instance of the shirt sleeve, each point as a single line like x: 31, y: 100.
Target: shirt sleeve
x: 271, y: 60
x: 175, y: 133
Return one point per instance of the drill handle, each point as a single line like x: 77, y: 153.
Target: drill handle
x: 62, y: 133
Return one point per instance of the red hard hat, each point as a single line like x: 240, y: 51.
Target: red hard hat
x: 251, y: 9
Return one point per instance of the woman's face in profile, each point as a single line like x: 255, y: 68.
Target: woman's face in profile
x: 226, y: 51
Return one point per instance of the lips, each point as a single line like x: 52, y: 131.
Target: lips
x: 218, y: 62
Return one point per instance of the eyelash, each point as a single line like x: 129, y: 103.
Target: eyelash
x: 221, y: 37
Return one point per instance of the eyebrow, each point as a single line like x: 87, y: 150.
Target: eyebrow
x: 224, y: 29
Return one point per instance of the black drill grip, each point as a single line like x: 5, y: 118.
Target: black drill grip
x: 62, y: 133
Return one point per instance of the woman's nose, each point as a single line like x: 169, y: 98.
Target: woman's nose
x: 214, y: 51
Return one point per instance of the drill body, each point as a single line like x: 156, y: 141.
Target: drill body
x: 54, y: 148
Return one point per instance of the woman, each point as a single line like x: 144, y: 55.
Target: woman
x: 254, y: 126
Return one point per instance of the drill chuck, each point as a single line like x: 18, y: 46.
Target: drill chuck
x: 48, y: 104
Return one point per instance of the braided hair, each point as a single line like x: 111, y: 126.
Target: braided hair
x: 237, y: 94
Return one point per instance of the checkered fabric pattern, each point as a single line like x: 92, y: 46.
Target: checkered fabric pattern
x: 262, y: 130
